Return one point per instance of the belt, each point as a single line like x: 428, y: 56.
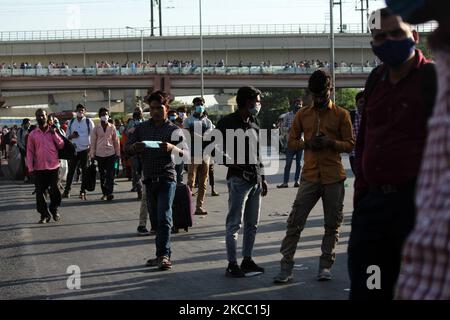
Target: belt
x: 155, y: 179
x: 392, y: 188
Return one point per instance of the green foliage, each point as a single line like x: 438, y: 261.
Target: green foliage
x: 276, y: 102
x: 345, y: 98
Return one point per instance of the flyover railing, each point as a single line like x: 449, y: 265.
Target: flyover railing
x: 225, y: 71
x: 207, y: 30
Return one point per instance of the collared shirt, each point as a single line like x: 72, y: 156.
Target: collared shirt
x: 356, y: 125
x: 231, y: 123
x: 42, y: 150
x: 288, y: 120
x: 105, y: 143
x: 425, y: 273
x: 156, y: 162
x: 324, y: 166
x: 83, y: 142
x: 393, y: 130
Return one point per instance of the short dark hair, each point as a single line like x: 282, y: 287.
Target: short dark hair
x: 198, y: 99
x: 359, y: 95
x: 40, y: 110
x: 182, y: 109
x: 319, y: 81
x: 172, y: 111
x: 246, y: 93
x: 80, y: 106
x: 25, y: 121
x: 161, y: 96
x: 102, y: 110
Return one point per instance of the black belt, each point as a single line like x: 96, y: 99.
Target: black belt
x: 155, y: 179
x: 393, y: 188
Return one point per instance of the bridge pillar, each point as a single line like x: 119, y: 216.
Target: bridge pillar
x: 129, y: 100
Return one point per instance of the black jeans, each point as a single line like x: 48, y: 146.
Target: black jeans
x: 80, y: 160
x: 47, y: 179
x: 106, y: 170
x: 380, y: 225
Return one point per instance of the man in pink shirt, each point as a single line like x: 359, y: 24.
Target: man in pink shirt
x: 105, y: 148
x: 43, y: 162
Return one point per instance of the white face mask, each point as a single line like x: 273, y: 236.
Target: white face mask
x: 80, y: 114
x: 104, y: 118
x: 255, y: 110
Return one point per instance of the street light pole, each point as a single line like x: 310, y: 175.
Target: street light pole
x: 142, y: 41
x: 142, y: 46
x: 202, y: 81
x: 151, y: 19
x: 333, y: 73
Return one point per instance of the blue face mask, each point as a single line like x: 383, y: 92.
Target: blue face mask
x: 199, y: 109
x: 172, y: 118
x: 405, y: 8
x: 395, y: 52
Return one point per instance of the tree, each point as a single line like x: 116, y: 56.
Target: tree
x: 345, y: 98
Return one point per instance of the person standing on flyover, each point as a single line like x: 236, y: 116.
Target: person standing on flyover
x: 327, y: 131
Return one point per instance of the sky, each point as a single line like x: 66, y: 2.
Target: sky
x: 27, y: 15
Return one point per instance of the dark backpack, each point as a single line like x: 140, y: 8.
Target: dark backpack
x: 428, y: 82
x: 68, y: 152
x: 87, y: 123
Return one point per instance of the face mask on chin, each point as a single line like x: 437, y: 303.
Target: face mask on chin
x: 394, y: 52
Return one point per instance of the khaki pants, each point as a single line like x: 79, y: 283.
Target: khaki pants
x: 143, y: 212
x: 307, y: 196
x: 202, y: 171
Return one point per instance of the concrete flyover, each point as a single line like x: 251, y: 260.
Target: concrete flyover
x: 171, y: 80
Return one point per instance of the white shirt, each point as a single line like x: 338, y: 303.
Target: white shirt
x: 83, y: 141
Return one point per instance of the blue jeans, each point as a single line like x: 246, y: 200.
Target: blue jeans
x: 160, y: 196
x: 244, y: 202
x: 287, y: 169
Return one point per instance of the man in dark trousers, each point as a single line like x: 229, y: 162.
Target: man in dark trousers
x: 43, y: 162
x: 399, y: 99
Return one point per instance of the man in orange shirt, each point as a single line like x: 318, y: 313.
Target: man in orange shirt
x: 327, y: 131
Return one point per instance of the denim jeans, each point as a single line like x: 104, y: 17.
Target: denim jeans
x: 81, y: 160
x: 160, y: 196
x: 244, y: 202
x: 287, y: 169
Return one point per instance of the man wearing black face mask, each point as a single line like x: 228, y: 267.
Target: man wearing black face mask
x: 399, y: 97
x: 323, y: 130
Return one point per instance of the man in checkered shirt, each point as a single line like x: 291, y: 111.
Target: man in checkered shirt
x: 290, y: 154
x: 425, y: 272
x: 155, y: 140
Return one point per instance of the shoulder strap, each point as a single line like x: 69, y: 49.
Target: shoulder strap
x: 371, y: 82
x: 429, y: 86
x: 70, y: 124
x: 88, y: 123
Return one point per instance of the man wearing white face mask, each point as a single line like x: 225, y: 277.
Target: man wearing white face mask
x: 198, y: 165
x: 245, y: 180
x: 78, y: 132
x: 105, y: 149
